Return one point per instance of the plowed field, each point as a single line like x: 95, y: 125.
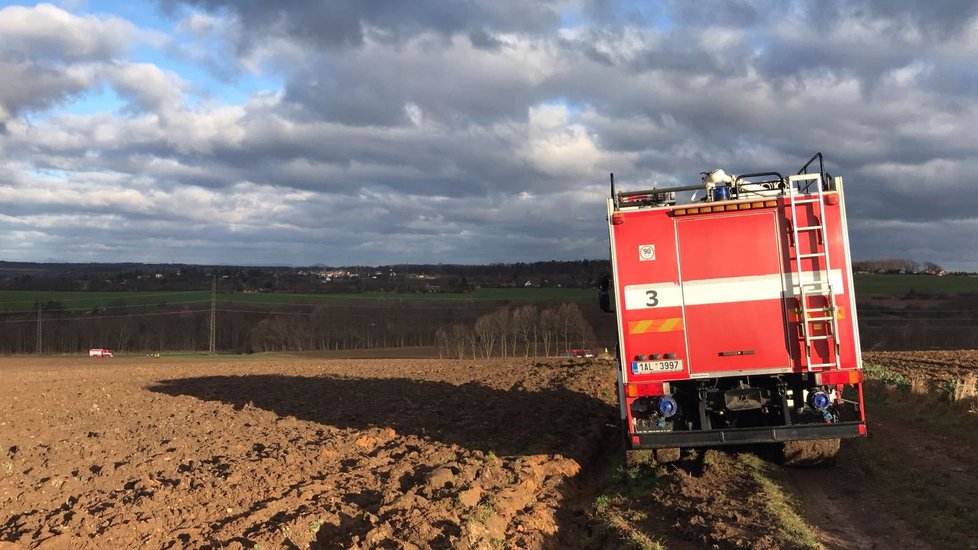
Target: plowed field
x: 932, y: 365
x: 416, y: 453
x: 331, y: 454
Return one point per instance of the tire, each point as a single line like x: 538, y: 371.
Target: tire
x: 651, y: 457
x: 639, y: 457
x: 811, y: 453
x: 667, y: 455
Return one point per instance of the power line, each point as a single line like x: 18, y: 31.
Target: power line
x: 213, y: 328
x: 39, y: 328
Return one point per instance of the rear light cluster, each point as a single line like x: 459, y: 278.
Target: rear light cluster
x: 723, y: 207
x: 833, y: 377
x: 644, y: 390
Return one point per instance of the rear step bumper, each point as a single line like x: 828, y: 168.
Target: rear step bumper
x: 740, y: 436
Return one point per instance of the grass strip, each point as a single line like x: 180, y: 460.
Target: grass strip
x: 793, y: 531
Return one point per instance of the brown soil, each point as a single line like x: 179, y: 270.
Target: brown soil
x: 295, y: 453
x: 721, y: 505
x: 317, y: 452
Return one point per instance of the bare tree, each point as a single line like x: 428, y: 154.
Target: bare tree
x: 442, y: 342
x: 523, y: 321
x: 460, y: 337
x: 570, y: 324
x: 505, y: 327
x: 487, y: 332
x: 548, y: 329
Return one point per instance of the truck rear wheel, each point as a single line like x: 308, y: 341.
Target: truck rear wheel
x: 811, y: 453
x: 667, y: 455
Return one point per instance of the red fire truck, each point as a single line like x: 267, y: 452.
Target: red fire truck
x: 736, y: 312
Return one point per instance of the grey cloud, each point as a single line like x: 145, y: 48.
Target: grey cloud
x: 317, y: 157
x: 146, y: 87
x: 341, y: 23
x: 935, y: 18
x: 483, y: 40
x: 30, y: 87
x: 46, y: 32
x: 478, y: 132
x: 897, y: 239
x: 733, y: 13
x: 456, y: 85
x: 48, y: 55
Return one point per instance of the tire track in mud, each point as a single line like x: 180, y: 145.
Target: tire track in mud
x: 845, y: 503
x: 840, y: 504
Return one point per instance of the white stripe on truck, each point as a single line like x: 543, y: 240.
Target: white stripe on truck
x: 723, y: 290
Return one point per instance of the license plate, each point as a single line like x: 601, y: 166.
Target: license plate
x: 645, y: 367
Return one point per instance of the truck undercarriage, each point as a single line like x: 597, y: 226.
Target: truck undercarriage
x: 736, y: 410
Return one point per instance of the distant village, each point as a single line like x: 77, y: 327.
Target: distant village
x: 901, y: 266
x: 441, y: 278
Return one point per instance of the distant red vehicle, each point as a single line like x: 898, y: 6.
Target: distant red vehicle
x: 99, y: 352
x: 578, y: 353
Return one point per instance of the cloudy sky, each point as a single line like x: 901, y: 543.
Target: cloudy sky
x: 376, y: 132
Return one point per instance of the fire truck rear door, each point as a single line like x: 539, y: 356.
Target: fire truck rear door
x: 733, y: 293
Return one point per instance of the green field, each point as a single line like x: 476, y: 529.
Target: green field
x: 900, y: 285
x: 25, y: 300
x: 79, y: 301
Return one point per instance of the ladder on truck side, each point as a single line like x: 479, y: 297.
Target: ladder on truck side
x: 800, y: 195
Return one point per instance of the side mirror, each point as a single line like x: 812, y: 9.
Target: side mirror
x: 604, y: 295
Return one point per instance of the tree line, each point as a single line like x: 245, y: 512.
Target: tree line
x: 895, y: 265
x: 480, y: 328
x: 518, y: 331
